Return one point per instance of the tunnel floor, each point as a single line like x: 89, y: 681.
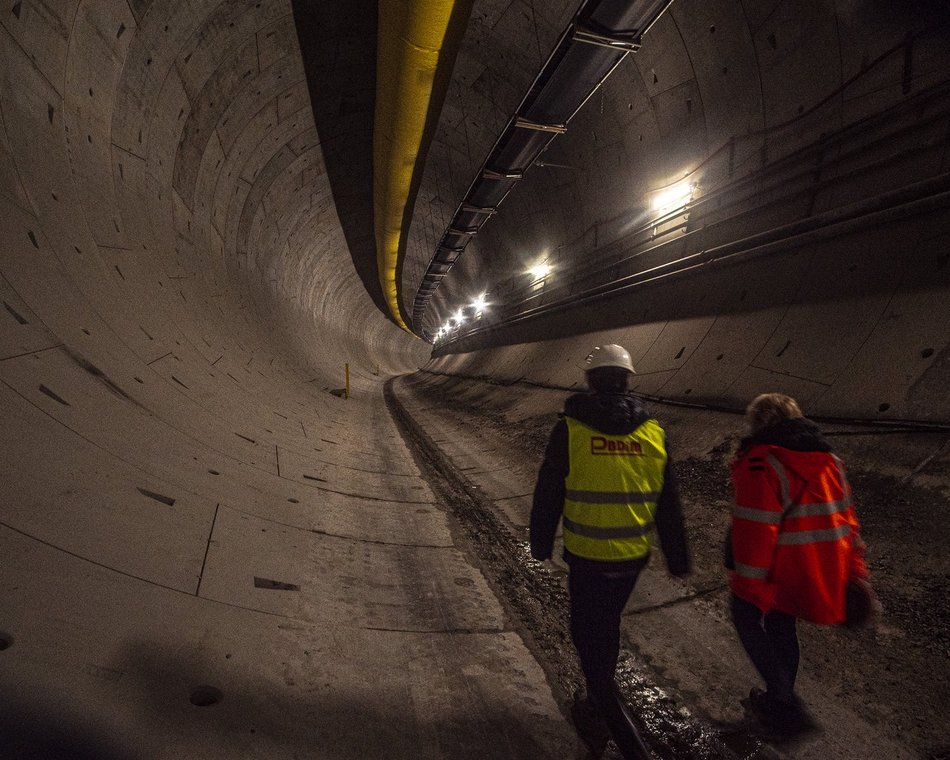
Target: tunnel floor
x: 877, y: 692
x: 361, y: 587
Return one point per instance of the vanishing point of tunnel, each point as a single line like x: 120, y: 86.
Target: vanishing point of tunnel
x: 293, y: 292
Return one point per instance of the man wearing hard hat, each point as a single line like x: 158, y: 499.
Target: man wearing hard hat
x: 607, y: 474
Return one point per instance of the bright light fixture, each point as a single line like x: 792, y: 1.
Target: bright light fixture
x: 672, y: 197
x: 480, y: 304
x: 459, y: 317
x: 540, y: 271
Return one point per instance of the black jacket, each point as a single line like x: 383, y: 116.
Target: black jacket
x: 800, y: 434
x: 611, y: 414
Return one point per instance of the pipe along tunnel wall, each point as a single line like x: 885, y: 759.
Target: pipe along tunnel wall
x: 204, y: 552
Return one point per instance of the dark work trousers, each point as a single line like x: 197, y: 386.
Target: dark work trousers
x: 597, y: 600
x: 772, y: 644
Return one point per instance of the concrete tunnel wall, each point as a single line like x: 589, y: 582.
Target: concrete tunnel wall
x: 162, y: 170
x: 782, y: 114
x: 177, y: 299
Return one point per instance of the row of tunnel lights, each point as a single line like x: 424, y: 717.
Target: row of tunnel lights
x: 671, y: 198
x: 538, y: 274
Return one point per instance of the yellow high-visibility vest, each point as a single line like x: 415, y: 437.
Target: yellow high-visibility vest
x: 611, y: 490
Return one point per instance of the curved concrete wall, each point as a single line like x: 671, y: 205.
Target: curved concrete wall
x: 852, y: 327
x: 177, y: 297
x: 162, y: 170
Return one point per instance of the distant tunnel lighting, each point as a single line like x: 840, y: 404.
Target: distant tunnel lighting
x: 480, y: 304
x: 540, y: 271
x: 459, y: 317
x: 673, y: 197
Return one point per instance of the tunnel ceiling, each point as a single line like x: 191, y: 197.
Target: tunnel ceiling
x: 190, y: 173
x: 720, y: 93
x: 810, y: 253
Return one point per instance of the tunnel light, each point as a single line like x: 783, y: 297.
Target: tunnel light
x: 459, y: 317
x: 480, y: 304
x: 540, y: 271
x: 673, y: 197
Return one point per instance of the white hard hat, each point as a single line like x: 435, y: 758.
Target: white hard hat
x: 610, y: 355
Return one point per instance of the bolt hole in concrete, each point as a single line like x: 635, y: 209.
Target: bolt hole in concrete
x: 926, y: 353
x: 6, y: 641
x: 205, y: 696
x: 884, y: 407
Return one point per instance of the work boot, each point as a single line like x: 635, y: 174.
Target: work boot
x: 788, y: 718
x: 589, y: 724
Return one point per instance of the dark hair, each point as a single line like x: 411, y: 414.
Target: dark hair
x: 608, y: 379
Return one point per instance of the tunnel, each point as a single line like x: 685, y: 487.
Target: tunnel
x: 293, y: 294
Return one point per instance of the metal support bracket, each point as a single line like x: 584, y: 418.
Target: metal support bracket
x: 460, y: 231
x: 492, y: 174
x: 468, y: 208
x: 522, y: 123
x: 626, y: 42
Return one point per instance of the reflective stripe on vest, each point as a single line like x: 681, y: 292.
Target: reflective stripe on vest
x: 611, y: 490
x: 782, y: 480
x: 819, y: 508
x: 814, y: 536
x: 751, y: 571
x: 790, y: 537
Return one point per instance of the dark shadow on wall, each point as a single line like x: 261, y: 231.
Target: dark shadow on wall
x: 32, y: 730
x: 338, y: 45
x: 190, y: 700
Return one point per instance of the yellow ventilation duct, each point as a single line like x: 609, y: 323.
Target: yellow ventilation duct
x: 411, y: 37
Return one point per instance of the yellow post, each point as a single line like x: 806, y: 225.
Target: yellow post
x: 346, y: 391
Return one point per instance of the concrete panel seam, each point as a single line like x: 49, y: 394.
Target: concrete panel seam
x: 445, y: 631
x: 32, y: 62
x: 342, y: 537
x: 204, y: 561
x: 90, y: 561
x: 30, y: 353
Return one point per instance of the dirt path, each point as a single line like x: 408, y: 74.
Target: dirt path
x: 893, y: 679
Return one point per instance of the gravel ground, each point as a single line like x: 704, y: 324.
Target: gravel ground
x: 897, y: 673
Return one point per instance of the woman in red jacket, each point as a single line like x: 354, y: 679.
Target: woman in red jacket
x: 795, y: 544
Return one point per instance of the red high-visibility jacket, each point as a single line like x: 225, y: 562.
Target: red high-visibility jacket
x: 795, y: 539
